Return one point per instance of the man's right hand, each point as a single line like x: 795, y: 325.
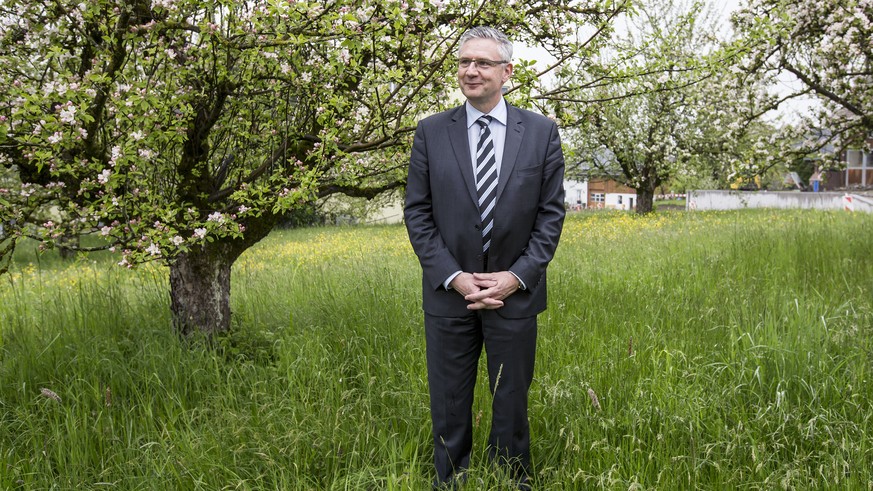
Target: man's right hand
x: 466, y: 284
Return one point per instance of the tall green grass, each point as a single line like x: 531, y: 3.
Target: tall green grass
x: 727, y: 350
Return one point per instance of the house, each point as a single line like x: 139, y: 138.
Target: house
x: 598, y: 193
x: 607, y: 193
x: 589, y: 186
x: 575, y: 194
x: 856, y: 172
x: 859, y: 168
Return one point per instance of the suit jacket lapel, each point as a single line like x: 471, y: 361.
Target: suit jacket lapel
x: 514, y: 136
x: 461, y: 146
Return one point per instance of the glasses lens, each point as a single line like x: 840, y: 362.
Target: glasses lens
x: 466, y: 62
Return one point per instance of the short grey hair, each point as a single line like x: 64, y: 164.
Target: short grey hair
x: 504, y: 45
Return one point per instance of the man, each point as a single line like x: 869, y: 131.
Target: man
x: 484, y: 211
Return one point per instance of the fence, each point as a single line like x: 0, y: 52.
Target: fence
x: 734, y: 200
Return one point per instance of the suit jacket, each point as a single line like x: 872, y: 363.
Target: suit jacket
x: 442, y: 215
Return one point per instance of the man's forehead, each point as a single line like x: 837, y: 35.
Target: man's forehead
x: 480, y: 45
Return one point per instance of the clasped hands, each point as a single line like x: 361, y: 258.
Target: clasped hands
x: 485, y: 290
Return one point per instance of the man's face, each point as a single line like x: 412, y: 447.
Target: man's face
x: 481, y: 85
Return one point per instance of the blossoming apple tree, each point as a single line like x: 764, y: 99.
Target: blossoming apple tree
x: 661, y: 103
x: 826, y: 46
x: 182, y: 130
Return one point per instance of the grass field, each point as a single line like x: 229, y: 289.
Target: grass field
x: 727, y: 351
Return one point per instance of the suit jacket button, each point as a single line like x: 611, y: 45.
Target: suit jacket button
x: 480, y: 257
x: 476, y: 226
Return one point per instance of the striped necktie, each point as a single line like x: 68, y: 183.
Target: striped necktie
x: 486, y: 180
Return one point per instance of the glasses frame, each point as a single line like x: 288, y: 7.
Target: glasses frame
x: 481, y: 63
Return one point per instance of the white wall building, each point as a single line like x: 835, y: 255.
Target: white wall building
x: 575, y: 194
x: 620, y: 201
x: 579, y: 195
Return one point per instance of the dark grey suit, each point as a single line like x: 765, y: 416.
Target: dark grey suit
x: 442, y: 218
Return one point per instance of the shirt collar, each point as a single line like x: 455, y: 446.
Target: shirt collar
x: 498, y: 113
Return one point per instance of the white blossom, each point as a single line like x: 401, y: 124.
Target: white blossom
x: 68, y: 114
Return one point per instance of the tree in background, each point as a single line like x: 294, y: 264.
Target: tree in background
x: 182, y: 130
x: 826, y: 45
x: 660, y: 103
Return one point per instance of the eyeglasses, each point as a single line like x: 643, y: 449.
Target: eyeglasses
x: 484, y: 64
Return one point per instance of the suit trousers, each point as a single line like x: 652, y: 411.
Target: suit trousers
x: 453, y: 348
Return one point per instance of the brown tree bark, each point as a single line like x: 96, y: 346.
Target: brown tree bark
x: 200, y: 280
x: 200, y: 291
x: 645, y: 201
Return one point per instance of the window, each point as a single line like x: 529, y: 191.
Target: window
x: 853, y: 158
x: 598, y: 197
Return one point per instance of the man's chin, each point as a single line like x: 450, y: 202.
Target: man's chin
x: 474, y: 96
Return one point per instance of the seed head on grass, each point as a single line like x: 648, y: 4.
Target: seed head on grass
x: 594, y: 401
x: 50, y: 394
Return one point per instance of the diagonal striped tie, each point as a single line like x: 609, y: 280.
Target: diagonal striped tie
x: 486, y: 180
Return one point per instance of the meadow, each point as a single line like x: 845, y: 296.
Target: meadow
x: 726, y: 350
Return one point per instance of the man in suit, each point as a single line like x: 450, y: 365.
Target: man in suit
x: 484, y: 211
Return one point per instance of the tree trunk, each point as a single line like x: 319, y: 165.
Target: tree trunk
x: 645, y: 201
x: 200, y: 291
x: 200, y: 280
x: 67, y: 246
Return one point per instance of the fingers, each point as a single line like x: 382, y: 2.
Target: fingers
x: 496, y: 286
x: 465, y: 284
x: 485, y: 304
x: 481, y: 282
x: 485, y: 291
